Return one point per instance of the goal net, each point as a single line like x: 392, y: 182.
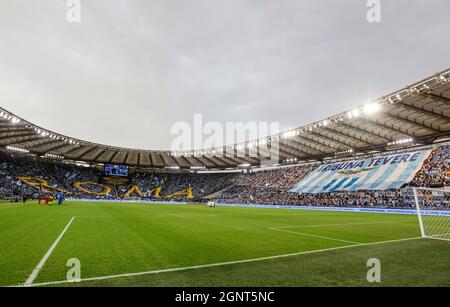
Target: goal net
x: 133, y: 199
x: 433, y: 211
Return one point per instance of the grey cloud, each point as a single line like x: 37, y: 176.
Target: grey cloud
x: 131, y: 69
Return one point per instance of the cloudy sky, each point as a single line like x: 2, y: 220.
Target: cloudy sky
x: 131, y: 69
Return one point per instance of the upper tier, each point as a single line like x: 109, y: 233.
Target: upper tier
x: 418, y: 113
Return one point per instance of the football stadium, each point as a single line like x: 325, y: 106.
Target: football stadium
x: 345, y: 189
x: 357, y: 198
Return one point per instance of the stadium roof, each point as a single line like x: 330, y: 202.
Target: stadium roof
x: 419, y: 114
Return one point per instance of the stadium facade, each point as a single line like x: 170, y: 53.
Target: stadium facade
x: 412, y: 116
x: 382, y: 149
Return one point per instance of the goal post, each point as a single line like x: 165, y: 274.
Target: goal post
x: 132, y: 199
x: 433, y: 212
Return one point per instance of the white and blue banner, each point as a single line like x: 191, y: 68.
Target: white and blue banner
x: 378, y: 173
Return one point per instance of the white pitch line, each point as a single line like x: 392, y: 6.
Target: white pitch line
x: 315, y: 236
x: 341, y: 224
x: 41, y: 263
x: 215, y: 264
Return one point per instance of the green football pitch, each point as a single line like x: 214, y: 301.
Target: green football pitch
x: 180, y: 245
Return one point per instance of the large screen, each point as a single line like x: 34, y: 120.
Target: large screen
x: 116, y: 170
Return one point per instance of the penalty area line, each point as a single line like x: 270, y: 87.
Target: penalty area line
x: 314, y: 236
x: 214, y: 264
x: 44, y: 259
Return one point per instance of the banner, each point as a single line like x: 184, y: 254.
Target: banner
x: 379, y: 173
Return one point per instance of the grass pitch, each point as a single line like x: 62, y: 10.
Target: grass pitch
x: 323, y: 248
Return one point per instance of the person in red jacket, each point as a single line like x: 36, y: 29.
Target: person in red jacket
x: 47, y: 200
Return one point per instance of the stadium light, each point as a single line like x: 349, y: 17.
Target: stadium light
x: 443, y: 78
x: 401, y: 142
x: 371, y: 108
x: 291, y: 160
x: 344, y: 152
x: 48, y: 155
x: 288, y: 134
x: 197, y: 167
x: 17, y: 149
x: 172, y: 167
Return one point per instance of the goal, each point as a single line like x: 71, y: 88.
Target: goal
x: 433, y: 211
x: 133, y: 199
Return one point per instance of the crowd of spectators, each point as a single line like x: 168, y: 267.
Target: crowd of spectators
x: 435, y: 171
x: 259, y: 187
x: 63, y: 176
x: 58, y: 176
x: 271, y: 187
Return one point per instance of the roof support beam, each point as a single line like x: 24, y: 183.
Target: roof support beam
x: 200, y: 161
x: 149, y: 159
x: 291, y: 149
x: 216, y: 161
x: 113, y: 156
x: 440, y: 116
x: 345, y: 137
x: 263, y: 152
x: 99, y: 154
x: 15, y: 129
x: 414, y: 122
x: 223, y: 159
x: 316, y: 142
x: 43, y: 144
x: 302, y: 146
x: 10, y: 135
x: 212, y: 162
x: 58, y: 147
x: 177, y: 162
x: 298, y: 150
x: 437, y: 98
x: 127, y: 154
x: 23, y: 140
x: 388, y: 137
x: 365, y: 140
x: 279, y: 151
x: 75, y: 149
x: 330, y: 139
x: 373, y: 122
x: 185, y: 159
x: 92, y: 149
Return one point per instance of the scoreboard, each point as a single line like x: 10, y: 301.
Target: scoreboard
x: 116, y: 170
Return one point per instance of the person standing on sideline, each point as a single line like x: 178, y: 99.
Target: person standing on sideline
x: 60, y: 198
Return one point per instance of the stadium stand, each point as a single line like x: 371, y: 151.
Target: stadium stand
x: 34, y: 160
x: 24, y: 176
